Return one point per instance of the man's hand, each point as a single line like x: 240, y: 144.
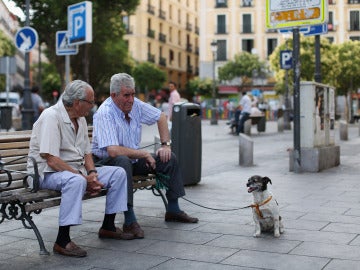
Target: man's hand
x: 164, y: 153
x: 93, y: 184
x: 150, y: 161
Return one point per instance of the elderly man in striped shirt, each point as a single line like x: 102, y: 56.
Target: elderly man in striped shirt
x: 116, y: 142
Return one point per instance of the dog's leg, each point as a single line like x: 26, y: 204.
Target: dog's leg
x: 281, y: 225
x: 277, y: 226
x: 257, y: 225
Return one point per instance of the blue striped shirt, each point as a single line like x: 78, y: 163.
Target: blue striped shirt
x: 111, y: 128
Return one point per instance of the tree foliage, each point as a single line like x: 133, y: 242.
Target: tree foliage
x: 96, y: 61
x: 7, y: 48
x: 243, y: 66
x: 202, y: 87
x: 148, y: 76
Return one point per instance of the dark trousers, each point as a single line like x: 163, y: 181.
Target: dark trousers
x: 243, y: 117
x: 170, y: 170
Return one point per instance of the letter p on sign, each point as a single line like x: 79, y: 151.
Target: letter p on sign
x: 286, y: 59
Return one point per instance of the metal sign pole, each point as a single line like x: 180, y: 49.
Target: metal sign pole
x: 67, y: 69
x: 27, y: 111
x: 297, y: 71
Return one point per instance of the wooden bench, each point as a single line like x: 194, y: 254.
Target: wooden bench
x: 19, y: 201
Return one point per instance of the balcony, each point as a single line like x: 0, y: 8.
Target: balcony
x: 188, y: 26
x: 246, y: 3
x: 151, y: 58
x: 162, y: 37
x: 197, y: 71
x: 189, y: 69
x: 197, y: 30
x: 353, y: 1
x: 354, y: 27
x: 129, y: 30
x: 271, y: 30
x: 151, y: 9
x: 151, y: 33
x: 162, y: 61
x: 188, y: 47
x: 162, y: 14
x: 197, y: 50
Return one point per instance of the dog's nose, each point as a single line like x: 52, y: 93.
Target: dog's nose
x: 247, y: 184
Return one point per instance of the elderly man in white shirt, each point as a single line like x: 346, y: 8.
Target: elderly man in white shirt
x: 61, y: 146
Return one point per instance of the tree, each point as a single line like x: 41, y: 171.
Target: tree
x: 243, y: 66
x: 148, y: 76
x: 97, y: 61
x: 7, y: 48
x: 202, y: 87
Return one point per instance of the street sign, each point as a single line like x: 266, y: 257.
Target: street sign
x: 310, y: 30
x: 26, y: 38
x: 286, y: 59
x: 8, y: 65
x: 80, y: 23
x: 289, y: 13
x: 62, y: 45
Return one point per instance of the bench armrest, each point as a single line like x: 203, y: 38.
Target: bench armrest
x: 35, y: 176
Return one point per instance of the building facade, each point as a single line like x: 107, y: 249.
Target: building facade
x: 239, y: 25
x: 166, y: 33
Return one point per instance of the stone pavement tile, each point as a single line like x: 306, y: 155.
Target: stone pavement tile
x: 356, y: 241
x: 8, y: 239
x: 189, y: 251
x: 353, y: 211
x: 268, y: 243
x: 317, y: 236
x: 10, y: 225
x: 173, y: 235
x: 303, y: 224
x: 186, y: 265
x: 236, y: 217
x: 269, y: 260
x: 342, y: 227
x: 225, y: 228
x: 332, y: 218
x: 335, y: 251
x: 313, y: 208
x: 343, y: 264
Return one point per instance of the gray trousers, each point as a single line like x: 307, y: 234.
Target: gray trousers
x: 171, y: 169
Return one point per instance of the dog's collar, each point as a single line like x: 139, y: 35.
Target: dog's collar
x: 257, y: 206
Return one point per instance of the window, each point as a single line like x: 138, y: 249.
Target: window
x: 247, y: 45
x: 221, y: 3
x: 331, y: 39
x: 221, y: 50
x: 354, y: 20
x: 246, y: 23
x: 355, y: 38
x: 221, y: 27
x: 271, y: 45
x: 246, y: 3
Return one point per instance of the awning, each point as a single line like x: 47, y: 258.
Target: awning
x: 228, y: 89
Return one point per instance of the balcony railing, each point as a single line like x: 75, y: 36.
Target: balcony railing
x: 188, y: 26
x: 189, y: 47
x: 129, y: 30
x: 247, y: 29
x: 151, y: 33
x: 246, y: 3
x: 151, y: 58
x: 151, y: 9
x: 162, y: 37
x: 162, y: 14
x: 197, y: 51
x: 162, y: 61
x: 197, y: 30
x: 189, y: 69
x: 353, y: 1
x: 221, y: 4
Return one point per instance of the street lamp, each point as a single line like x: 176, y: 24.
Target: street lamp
x: 213, y: 109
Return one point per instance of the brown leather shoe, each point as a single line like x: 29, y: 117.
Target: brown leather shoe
x: 134, y: 229
x: 119, y: 234
x: 71, y: 250
x: 180, y: 217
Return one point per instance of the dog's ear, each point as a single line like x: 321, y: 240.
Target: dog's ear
x: 267, y: 179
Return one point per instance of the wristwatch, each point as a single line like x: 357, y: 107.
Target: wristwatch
x: 166, y: 143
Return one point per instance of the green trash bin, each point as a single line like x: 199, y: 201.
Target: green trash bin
x: 186, y: 140
x: 6, y: 117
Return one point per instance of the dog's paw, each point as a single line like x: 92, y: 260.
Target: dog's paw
x: 256, y: 234
x: 276, y: 234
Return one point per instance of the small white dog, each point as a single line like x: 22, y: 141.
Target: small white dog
x: 266, y: 212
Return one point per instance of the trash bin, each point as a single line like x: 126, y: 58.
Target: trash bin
x: 6, y: 117
x: 186, y: 140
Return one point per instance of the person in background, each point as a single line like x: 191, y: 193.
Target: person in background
x: 116, y: 142
x: 61, y: 146
x: 37, y: 102
x: 245, y: 108
x: 173, y: 98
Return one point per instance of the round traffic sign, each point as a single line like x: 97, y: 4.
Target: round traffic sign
x: 26, y: 38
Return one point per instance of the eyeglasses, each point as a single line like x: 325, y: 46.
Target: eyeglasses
x: 90, y: 102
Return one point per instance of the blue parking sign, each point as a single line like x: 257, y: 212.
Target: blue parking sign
x: 80, y: 23
x: 286, y: 59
